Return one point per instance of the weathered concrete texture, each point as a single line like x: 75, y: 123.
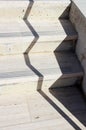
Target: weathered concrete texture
x: 38, y: 71
x: 16, y: 37
x: 43, y: 110
x: 79, y: 20
x: 40, y: 9
x: 13, y: 9
x: 48, y: 10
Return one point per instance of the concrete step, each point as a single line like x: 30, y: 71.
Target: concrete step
x: 19, y: 9
x: 36, y: 71
x: 22, y: 36
x: 50, y: 10
x: 53, y: 36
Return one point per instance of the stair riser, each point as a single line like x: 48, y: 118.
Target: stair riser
x: 24, y: 87
x: 40, y: 10
x: 19, y: 48
x: 34, y: 86
x: 60, y: 83
x: 52, y: 46
x: 64, y: 82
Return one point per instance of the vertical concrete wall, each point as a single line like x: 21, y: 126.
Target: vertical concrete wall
x: 79, y: 21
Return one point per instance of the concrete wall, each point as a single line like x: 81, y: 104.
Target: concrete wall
x: 79, y: 21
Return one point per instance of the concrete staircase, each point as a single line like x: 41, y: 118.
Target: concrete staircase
x: 37, y: 43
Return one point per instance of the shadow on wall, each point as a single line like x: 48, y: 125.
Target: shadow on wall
x: 65, y: 94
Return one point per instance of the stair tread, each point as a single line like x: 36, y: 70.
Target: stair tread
x: 20, y: 68
x: 25, y: 31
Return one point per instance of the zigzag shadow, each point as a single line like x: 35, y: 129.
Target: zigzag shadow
x: 36, y: 37
x: 40, y: 76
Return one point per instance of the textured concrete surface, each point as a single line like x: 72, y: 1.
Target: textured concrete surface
x: 78, y: 18
x: 24, y: 109
x: 42, y: 8
x: 17, y: 36
x: 62, y: 108
x: 81, y: 4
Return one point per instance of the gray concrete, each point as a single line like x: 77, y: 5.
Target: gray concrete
x: 78, y: 18
x: 81, y: 4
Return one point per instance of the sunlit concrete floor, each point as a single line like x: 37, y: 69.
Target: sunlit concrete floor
x: 56, y: 109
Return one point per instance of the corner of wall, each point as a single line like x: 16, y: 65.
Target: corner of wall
x: 79, y: 21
